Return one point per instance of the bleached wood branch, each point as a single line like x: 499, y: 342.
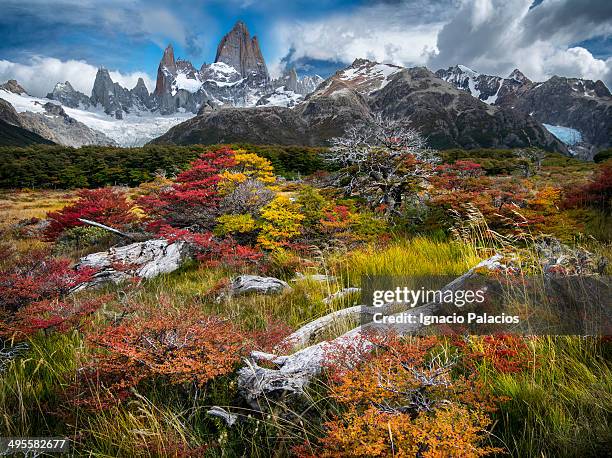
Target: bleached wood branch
x: 295, y: 371
x: 106, y: 228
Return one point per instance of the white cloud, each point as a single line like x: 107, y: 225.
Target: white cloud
x: 40, y: 74
x: 496, y: 36
x: 403, y: 33
x: 491, y: 36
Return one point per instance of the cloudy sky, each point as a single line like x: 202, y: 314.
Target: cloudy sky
x: 45, y: 41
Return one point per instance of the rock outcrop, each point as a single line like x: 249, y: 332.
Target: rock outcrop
x: 14, y: 87
x: 238, y: 50
x: 65, y: 94
x: 12, y: 129
x: 8, y: 113
x: 111, y: 96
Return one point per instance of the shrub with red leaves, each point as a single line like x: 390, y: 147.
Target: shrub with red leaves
x: 193, y: 200
x: 50, y: 315
x: 104, y: 205
x: 180, y: 348
x: 505, y: 353
x: 214, y: 251
x: 596, y: 193
x: 34, y: 276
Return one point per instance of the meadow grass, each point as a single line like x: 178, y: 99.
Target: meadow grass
x: 562, y: 406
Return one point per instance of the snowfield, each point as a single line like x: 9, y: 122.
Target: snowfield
x: 135, y: 129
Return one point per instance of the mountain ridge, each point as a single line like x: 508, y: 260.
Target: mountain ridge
x: 448, y: 116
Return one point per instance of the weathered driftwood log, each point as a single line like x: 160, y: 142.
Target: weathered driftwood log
x: 105, y: 227
x: 248, y: 284
x: 293, y: 372
x: 141, y: 259
x: 227, y: 417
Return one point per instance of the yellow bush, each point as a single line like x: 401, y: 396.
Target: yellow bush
x: 228, y: 224
x: 282, y: 221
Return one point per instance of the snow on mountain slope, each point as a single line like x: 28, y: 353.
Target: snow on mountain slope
x: 483, y: 87
x: 281, y: 97
x: 24, y: 102
x: 135, y: 129
x: 367, y: 76
x: 182, y: 81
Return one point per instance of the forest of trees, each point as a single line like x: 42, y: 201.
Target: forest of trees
x: 61, y: 167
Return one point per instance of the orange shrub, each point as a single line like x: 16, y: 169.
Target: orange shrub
x: 177, y: 348
x: 408, y: 400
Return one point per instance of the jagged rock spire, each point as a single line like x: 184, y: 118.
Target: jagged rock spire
x: 242, y: 52
x: 165, y: 71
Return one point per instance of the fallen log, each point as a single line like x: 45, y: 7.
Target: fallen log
x: 105, y: 227
x: 250, y: 284
x: 293, y: 372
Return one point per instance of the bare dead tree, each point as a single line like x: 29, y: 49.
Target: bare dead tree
x: 381, y: 161
x: 530, y: 160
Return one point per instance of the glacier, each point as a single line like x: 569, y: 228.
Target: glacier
x: 567, y: 135
x: 135, y: 129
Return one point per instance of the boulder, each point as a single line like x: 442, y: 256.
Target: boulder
x: 141, y: 259
x: 248, y: 284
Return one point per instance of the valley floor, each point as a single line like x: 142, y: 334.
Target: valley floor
x: 133, y: 369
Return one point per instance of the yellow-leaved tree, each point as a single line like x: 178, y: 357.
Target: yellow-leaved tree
x: 249, y: 166
x: 282, y: 221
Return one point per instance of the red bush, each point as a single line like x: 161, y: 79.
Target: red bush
x: 596, y: 193
x: 213, y: 251
x: 48, y: 315
x: 194, y: 199
x: 34, y: 276
x: 186, y: 347
x: 104, y: 205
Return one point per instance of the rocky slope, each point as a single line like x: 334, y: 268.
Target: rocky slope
x: 12, y: 132
x: 11, y: 135
x: 48, y: 120
x: 55, y: 125
x: 449, y: 117
x: 579, y: 104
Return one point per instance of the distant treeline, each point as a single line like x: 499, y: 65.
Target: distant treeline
x: 41, y: 166
x: 95, y: 166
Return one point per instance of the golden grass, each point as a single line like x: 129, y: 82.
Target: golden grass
x: 16, y: 205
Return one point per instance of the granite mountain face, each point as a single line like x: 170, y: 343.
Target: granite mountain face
x: 238, y: 77
x: 578, y: 107
x: 448, y: 116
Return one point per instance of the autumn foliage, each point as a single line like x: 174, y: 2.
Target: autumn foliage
x: 596, y: 193
x: 104, y: 205
x: 193, y: 200
x: 188, y: 348
x: 35, y: 276
x: 408, y: 400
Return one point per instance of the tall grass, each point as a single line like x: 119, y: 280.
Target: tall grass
x: 418, y: 256
x: 31, y: 384
x: 563, y: 407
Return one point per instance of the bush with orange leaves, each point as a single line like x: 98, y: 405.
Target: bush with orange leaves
x: 408, y: 400
x: 184, y: 349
